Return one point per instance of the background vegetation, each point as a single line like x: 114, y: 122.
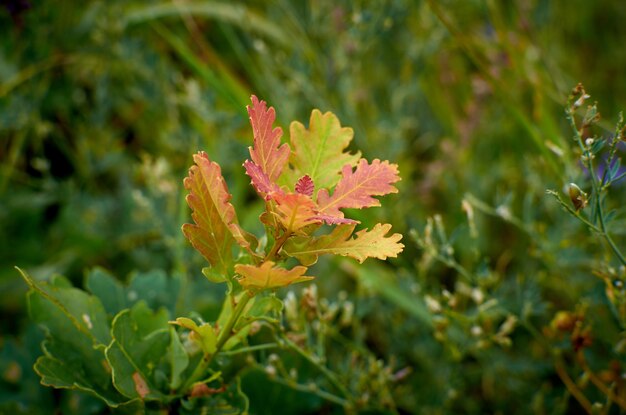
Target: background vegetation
x: 102, y: 105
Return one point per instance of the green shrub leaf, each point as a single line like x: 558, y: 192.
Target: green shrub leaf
x: 77, y: 333
x: 140, y: 354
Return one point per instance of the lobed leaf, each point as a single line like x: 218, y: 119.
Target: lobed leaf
x: 203, y: 334
x: 319, y: 151
x: 77, y: 332
x: 305, y: 185
x: 365, y: 244
x: 267, y: 153
x: 269, y: 276
x: 335, y: 220
x: 154, y: 287
x: 216, y: 225
x: 295, y: 211
x: 140, y: 353
x: 260, y: 181
x: 357, y: 188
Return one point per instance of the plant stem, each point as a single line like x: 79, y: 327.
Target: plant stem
x: 314, y: 390
x: 595, y: 186
x: 599, y: 383
x: 573, y: 212
x: 571, y: 386
x: 277, y: 245
x: 329, y: 375
x: 249, y: 349
x: 225, y: 334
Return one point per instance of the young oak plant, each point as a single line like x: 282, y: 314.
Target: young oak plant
x: 111, y: 344
x: 304, y: 185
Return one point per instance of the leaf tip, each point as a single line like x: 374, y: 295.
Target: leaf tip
x: 27, y: 278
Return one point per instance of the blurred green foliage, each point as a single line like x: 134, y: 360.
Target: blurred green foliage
x: 102, y: 105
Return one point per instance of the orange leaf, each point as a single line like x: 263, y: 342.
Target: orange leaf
x: 305, y: 185
x: 268, y: 276
x: 216, y: 225
x: 355, y: 189
x: 267, y: 153
x: 295, y: 211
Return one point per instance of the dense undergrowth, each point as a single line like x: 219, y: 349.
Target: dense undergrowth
x: 508, y: 297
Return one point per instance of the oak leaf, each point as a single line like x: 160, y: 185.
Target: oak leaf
x: 295, y: 211
x: 305, y: 185
x: 357, y: 188
x: 269, y: 276
x: 365, y: 244
x: 267, y: 153
x: 202, y: 334
x: 335, y: 220
x: 320, y: 150
x: 216, y: 226
x: 260, y: 181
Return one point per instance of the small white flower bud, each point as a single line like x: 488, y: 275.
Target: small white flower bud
x: 476, y: 331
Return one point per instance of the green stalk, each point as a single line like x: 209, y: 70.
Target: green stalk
x: 596, y: 189
x: 308, y: 389
x: 327, y: 373
x: 226, y: 332
x: 249, y: 349
x: 223, y: 337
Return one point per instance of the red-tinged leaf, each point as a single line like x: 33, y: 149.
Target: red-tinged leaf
x: 295, y: 211
x: 269, y: 276
x: 216, y: 226
x: 365, y: 244
x: 320, y: 150
x: 356, y: 188
x: 267, y: 152
x: 335, y: 220
x: 261, y: 182
x: 305, y: 185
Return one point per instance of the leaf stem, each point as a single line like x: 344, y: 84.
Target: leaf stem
x: 277, y: 245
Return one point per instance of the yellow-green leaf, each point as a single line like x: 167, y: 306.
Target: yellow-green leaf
x: 202, y: 334
x: 319, y: 151
x: 268, y: 276
x: 365, y: 244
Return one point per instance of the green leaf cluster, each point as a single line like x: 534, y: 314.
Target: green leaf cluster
x: 125, y: 353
